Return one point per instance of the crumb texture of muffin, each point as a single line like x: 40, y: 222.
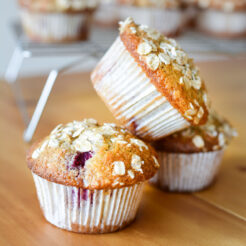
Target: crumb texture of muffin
x: 150, y: 84
x: 88, y: 155
x: 216, y: 134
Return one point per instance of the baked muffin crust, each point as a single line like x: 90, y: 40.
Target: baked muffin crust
x: 216, y: 134
x: 89, y: 155
x: 169, y: 68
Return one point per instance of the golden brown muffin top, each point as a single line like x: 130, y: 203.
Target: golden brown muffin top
x: 169, y: 68
x: 58, y: 5
x: 225, y: 5
x: 92, y: 156
x: 216, y: 134
x: 152, y: 3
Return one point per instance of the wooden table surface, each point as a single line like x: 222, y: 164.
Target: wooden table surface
x: 216, y: 216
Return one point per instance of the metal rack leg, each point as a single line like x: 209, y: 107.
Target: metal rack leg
x: 28, y: 133
x: 11, y: 76
x: 14, y: 66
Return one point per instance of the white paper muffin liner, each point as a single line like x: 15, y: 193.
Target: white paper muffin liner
x: 187, y: 172
x: 222, y: 23
x: 55, y: 27
x: 167, y: 21
x: 131, y: 96
x: 88, y: 211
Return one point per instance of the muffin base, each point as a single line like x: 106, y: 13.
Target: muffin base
x: 187, y: 172
x: 132, y: 98
x: 222, y: 24
x: 170, y: 22
x: 88, y: 211
x: 55, y: 27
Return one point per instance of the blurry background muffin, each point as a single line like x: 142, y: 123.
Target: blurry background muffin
x: 107, y: 14
x: 222, y: 18
x: 57, y: 20
x: 165, y: 15
x: 189, y: 159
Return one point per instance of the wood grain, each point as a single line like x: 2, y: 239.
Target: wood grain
x: 216, y: 216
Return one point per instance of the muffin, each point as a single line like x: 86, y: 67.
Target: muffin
x: 222, y: 18
x: 150, y: 84
x: 190, y: 159
x: 90, y: 177
x: 55, y: 21
x: 167, y: 16
x: 107, y: 14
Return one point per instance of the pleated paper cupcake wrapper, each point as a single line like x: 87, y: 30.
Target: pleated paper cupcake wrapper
x: 167, y: 21
x: 222, y: 23
x: 55, y: 27
x: 88, y: 211
x: 187, y: 172
x: 131, y: 96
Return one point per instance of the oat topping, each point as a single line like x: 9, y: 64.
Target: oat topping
x: 87, y: 151
x: 164, y: 54
x: 156, y: 162
x: 119, y: 168
x: 139, y: 143
x: 153, y: 61
x: 86, y: 136
x: 198, y: 141
x: 136, y: 163
x: 216, y: 127
x: 144, y: 48
x: 131, y: 174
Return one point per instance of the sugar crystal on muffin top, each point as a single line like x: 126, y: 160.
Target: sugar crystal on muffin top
x: 169, y: 68
x: 93, y: 156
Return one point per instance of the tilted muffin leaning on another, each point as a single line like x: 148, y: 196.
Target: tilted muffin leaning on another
x: 150, y: 84
x: 90, y: 177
